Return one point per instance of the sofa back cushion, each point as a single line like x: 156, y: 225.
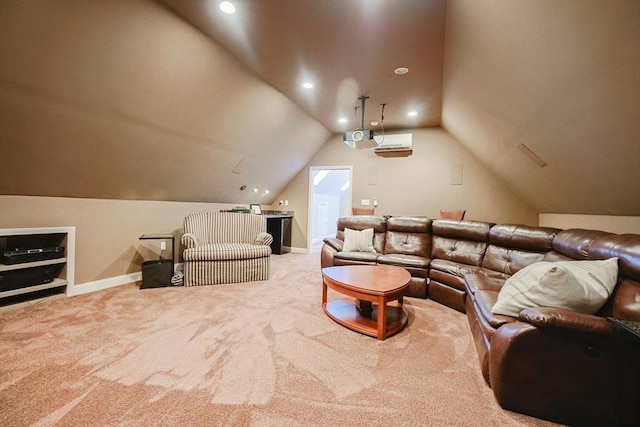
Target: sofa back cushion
x: 513, y: 247
x: 362, y: 222
x: 408, y: 236
x: 576, y: 243
x: 626, y: 247
x: 459, y: 241
x: 625, y: 302
x: 224, y: 227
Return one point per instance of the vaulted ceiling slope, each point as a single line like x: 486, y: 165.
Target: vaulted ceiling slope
x: 560, y: 77
x: 345, y: 48
x: 171, y: 100
x: 125, y: 100
x: 556, y: 79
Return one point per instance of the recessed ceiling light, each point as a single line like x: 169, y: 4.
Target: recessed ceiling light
x: 255, y: 190
x: 401, y: 70
x: 374, y: 123
x: 307, y: 85
x: 412, y: 113
x: 227, y: 7
x: 342, y: 120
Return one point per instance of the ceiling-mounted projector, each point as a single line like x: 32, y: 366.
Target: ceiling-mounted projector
x: 361, y: 137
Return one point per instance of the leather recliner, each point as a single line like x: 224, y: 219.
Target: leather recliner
x: 554, y: 363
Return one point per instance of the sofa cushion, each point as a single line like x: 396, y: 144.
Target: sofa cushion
x: 461, y: 251
x: 522, y: 237
x: 358, y: 257
x: 404, y: 260
x: 408, y: 235
x: 582, y: 286
x: 460, y: 270
x: 509, y: 260
x: 226, y: 251
x: 576, y: 242
x: 462, y: 230
x: 358, y: 240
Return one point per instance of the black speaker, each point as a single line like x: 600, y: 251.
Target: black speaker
x: 156, y: 274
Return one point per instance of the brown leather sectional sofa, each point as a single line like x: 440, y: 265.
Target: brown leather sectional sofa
x: 548, y: 362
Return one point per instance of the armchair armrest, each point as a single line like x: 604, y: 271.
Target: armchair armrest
x: 263, y: 239
x: 190, y: 240
x: 551, y: 317
x: 336, y: 244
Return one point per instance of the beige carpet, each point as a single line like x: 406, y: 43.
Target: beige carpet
x: 259, y: 353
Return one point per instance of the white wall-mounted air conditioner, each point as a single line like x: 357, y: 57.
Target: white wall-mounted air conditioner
x: 395, y: 142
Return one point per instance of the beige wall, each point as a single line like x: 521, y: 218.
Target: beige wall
x: 107, y: 231
x: 610, y: 223
x: 416, y: 185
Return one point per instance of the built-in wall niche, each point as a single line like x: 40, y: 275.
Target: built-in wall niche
x: 34, y: 260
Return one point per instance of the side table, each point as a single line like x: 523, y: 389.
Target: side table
x: 158, y: 277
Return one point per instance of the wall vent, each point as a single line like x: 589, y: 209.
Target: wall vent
x: 532, y: 156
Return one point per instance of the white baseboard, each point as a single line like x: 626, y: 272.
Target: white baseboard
x: 98, y: 285
x: 299, y: 250
x: 111, y: 282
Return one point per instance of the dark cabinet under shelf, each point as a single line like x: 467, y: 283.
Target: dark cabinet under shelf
x: 279, y: 226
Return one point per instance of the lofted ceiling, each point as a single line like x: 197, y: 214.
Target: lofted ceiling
x: 512, y: 80
x: 173, y: 100
x: 346, y: 48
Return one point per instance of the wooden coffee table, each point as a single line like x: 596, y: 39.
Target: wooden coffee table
x: 373, y: 287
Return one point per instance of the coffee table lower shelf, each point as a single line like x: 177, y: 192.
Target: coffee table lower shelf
x: 345, y: 312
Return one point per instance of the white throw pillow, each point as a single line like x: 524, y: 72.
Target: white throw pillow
x: 582, y: 286
x: 358, y: 241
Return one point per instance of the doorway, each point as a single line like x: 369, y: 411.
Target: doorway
x: 329, y: 199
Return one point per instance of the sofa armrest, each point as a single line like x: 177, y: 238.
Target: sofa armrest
x: 480, y: 282
x: 263, y: 239
x: 336, y: 244
x: 553, y: 373
x: 190, y: 240
x: 551, y: 317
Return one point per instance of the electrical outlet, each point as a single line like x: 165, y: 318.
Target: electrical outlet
x: 364, y: 202
x: 286, y: 203
x: 163, y: 246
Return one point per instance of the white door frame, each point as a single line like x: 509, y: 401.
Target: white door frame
x: 312, y: 169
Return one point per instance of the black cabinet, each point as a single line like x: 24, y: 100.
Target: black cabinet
x: 279, y: 226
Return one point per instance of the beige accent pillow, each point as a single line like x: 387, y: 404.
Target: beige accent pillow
x: 358, y: 241
x: 582, y: 286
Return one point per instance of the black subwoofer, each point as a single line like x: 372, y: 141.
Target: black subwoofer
x: 156, y: 274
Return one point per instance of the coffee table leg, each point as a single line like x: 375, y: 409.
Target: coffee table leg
x: 382, y: 318
x: 324, y: 294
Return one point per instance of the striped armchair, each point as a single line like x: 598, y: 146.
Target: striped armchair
x: 225, y: 247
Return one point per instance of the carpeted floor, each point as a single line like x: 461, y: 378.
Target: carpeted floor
x: 259, y: 353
